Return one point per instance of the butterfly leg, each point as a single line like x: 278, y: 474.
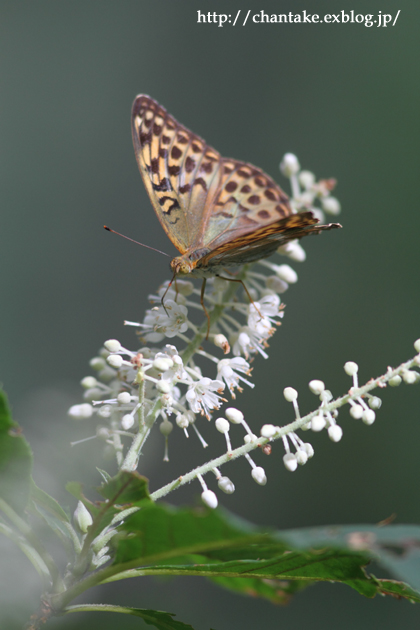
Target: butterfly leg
x: 203, y: 287
x: 245, y: 289
x: 162, y: 301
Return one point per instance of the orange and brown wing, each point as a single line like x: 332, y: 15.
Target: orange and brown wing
x: 264, y: 241
x: 179, y: 170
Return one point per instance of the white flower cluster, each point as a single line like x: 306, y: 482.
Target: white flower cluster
x: 133, y: 389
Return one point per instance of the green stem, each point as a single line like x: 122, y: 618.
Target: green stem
x: 215, y: 315
x: 131, y: 460
x: 380, y: 381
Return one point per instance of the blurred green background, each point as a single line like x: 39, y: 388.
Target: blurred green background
x: 345, y: 99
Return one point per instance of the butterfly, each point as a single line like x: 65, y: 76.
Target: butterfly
x: 218, y: 212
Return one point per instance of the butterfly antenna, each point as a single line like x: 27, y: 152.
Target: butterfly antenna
x: 137, y: 242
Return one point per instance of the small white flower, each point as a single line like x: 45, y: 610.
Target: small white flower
x: 127, y: 421
x: 290, y: 462
x: 289, y: 165
x: 259, y: 476
x: 124, y: 398
x: 227, y: 371
x: 209, y: 498
x: 368, y: 416
x: 351, y: 368
x: 286, y: 273
x: 316, y: 387
x: 395, y: 381
x: 226, y: 485
x: 290, y: 394
x: 335, y: 433
x: 306, y: 179
x: 293, y: 250
x: 112, y: 345
x: 268, y: 430
x: 331, y: 205
x: 318, y: 423
x: 203, y: 396
x: 169, y: 321
x: 82, y: 517
x: 234, y: 415
x: 274, y: 283
x: 356, y: 411
x: 81, y: 412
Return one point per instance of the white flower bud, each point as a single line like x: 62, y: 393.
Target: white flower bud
x: 331, y: 205
x: 410, y: 377
x: 226, y: 485
x: 97, y: 363
x: 289, y: 165
x: 293, y: 250
x: 275, y: 284
x: 268, y: 430
x: 89, y: 382
x: 368, y: 416
x: 309, y: 449
x: 335, y: 433
x: 286, y: 273
x: 105, y: 411
x: 112, y: 345
x: 222, y: 425
x: 82, y: 517
x: 80, y: 412
x: 318, y: 423
x: 316, y: 387
x: 93, y: 394
x: 326, y: 396
x: 301, y: 456
x: 184, y: 287
x: 209, y: 498
x: 164, y: 387
x: 234, y: 415
x: 290, y: 394
x: 417, y: 345
x: 123, y: 398
x: 375, y: 402
x: 290, y: 462
x: 182, y: 421
x: 115, y: 360
x: 161, y: 364
x: 166, y: 427
x: 250, y: 437
x: 259, y: 476
x: 220, y: 341
x: 395, y: 381
x: 351, y: 368
x: 356, y: 411
x: 103, y: 433
x: 127, y: 421
x: 306, y: 179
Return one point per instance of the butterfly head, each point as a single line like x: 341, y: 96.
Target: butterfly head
x: 187, y: 263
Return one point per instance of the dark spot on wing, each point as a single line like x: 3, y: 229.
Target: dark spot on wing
x: 176, y: 152
x: 189, y: 164
x: 264, y: 214
x: 231, y: 186
x: 184, y: 189
x: 254, y: 199
x: 246, y: 189
x: 200, y: 182
x: 174, y: 170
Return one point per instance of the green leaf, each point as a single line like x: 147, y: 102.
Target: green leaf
x: 15, y: 461
x: 45, y: 506
x: 158, y: 619
x: 126, y: 487
x: 273, y: 565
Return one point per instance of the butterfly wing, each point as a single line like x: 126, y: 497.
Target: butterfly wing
x: 179, y: 170
x: 263, y: 242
